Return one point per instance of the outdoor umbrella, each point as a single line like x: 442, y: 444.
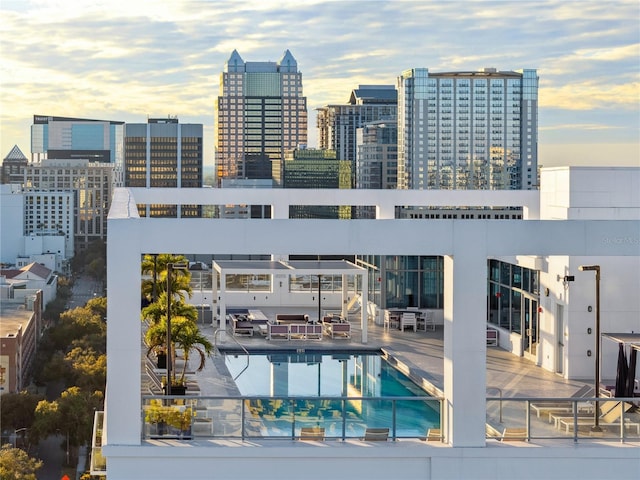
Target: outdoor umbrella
x: 631, y: 373
x: 622, y: 373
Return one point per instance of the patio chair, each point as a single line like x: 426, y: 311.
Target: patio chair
x: 390, y: 320
x: 312, y: 433
x: 427, y: 321
x: 376, y: 434
x: 409, y: 320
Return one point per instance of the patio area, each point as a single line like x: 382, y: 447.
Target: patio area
x: 419, y: 354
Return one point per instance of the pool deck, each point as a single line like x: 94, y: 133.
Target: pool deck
x: 421, y: 352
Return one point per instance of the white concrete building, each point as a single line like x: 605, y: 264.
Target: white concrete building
x: 36, y: 227
x: 466, y: 246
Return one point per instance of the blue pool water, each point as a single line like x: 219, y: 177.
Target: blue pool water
x: 324, y: 376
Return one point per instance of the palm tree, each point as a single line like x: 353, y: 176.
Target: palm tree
x: 186, y: 336
x: 158, y: 309
x: 155, y: 267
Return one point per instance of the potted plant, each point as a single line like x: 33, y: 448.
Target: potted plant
x: 185, y: 336
x: 181, y: 420
x: 157, y: 415
x: 161, y: 357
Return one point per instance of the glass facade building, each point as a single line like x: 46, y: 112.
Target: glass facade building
x: 261, y: 113
x: 338, y: 124
x: 77, y: 138
x: 314, y: 168
x: 164, y: 153
x: 467, y: 130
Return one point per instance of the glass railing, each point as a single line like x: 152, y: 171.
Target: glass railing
x: 577, y: 419
x: 98, y: 462
x: 253, y: 417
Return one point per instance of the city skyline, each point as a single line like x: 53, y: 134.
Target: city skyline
x: 129, y: 61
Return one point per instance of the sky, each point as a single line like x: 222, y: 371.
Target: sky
x: 134, y: 59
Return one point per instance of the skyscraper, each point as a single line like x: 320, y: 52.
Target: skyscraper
x: 337, y: 124
x: 261, y: 113
x: 164, y: 153
x: 467, y: 130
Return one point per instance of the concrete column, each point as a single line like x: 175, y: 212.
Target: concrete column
x: 465, y: 339
x: 124, y: 330
x: 214, y: 296
x: 280, y: 379
x: 345, y: 294
x: 223, y: 301
x: 365, y: 307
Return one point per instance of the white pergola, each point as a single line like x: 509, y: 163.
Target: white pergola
x: 222, y: 268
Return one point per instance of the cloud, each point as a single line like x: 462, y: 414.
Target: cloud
x: 122, y: 59
x: 590, y: 94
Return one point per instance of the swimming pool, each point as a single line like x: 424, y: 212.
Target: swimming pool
x: 343, y: 392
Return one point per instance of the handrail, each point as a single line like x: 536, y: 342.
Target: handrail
x: 246, y: 352
x: 234, y: 420
x: 571, y: 417
x: 500, y: 393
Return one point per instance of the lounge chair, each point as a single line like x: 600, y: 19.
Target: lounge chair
x: 312, y: 433
x: 376, y: 434
x: 610, y: 413
x: 434, y: 435
x: 514, y: 434
x: 567, y: 406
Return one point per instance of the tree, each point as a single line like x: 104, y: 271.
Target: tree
x: 47, y: 421
x: 97, y: 306
x: 154, y: 271
x: 16, y: 464
x: 71, y: 415
x: 88, y: 368
x: 77, y: 407
x: 157, y: 310
x: 18, y: 410
x: 186, y: 336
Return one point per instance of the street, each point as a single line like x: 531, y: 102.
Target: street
x: 84, y: 289
x: 52, y: 456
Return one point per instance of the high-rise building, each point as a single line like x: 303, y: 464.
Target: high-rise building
x: 49, y: 187
x: 78, y: 138
x: 467, y: 130
x: 337, y: 124
x: 164, y: 153
x: 260, y: 113
x: 377, y: 159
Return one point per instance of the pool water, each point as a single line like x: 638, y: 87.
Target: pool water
x: 315, y: 378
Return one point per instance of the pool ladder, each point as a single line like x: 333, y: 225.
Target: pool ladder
x: 215, y: 348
